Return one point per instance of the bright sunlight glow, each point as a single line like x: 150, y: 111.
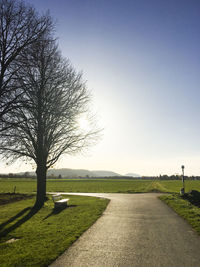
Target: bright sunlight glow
x: 84, y: 124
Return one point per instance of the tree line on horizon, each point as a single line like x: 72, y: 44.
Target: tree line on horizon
x: 59, y: 176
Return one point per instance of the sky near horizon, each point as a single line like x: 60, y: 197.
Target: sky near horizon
x: 141, y: 60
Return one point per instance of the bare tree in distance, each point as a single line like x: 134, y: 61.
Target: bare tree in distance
x: 20, y: 26
x: 45, y: 125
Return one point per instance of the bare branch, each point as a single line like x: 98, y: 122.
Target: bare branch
x: 20, y: 26
x: 45, y: 124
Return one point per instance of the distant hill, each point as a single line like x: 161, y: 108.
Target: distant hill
x: 80, y: 173
x: 104, y: 173
x: 75, y: 173
x: 132, y: 174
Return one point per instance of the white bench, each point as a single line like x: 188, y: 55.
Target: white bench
x: 59, y: 201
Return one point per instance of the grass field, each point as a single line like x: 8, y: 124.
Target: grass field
x: 184, y: 208
x: 42, y: 236
x: 100, y: 186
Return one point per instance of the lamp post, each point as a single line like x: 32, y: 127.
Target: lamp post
x: 183, y: 180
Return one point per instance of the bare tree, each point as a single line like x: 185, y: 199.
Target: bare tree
x: 20, y: 26
x: 45, y: 125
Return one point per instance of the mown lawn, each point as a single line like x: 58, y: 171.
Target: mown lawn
x: 184, y: 208
x: 43, y: 235
x: 97, y: 186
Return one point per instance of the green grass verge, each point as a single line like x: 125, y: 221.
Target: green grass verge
x: 184, y: 208
x: 97, y: 186
x: 43, y: 236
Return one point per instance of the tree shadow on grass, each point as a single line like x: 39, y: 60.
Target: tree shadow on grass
x: 29, y: 215
x: 2, y: 225
x: 57, y: 210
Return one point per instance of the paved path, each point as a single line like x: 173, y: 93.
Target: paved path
x: 136, y: 230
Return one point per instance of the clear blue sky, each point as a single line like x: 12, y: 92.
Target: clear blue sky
x: 141, y: 59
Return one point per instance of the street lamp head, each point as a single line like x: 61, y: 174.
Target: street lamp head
x: 182, y: 167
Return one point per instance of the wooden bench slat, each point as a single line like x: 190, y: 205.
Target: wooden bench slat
x: 58, y: 200
x: 63, y: 200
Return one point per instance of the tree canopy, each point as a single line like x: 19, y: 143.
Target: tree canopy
x: 20, y: 26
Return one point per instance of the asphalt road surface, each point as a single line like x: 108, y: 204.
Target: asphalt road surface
x: 136, y: 230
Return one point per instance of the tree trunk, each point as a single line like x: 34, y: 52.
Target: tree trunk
x: 41, y: 185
